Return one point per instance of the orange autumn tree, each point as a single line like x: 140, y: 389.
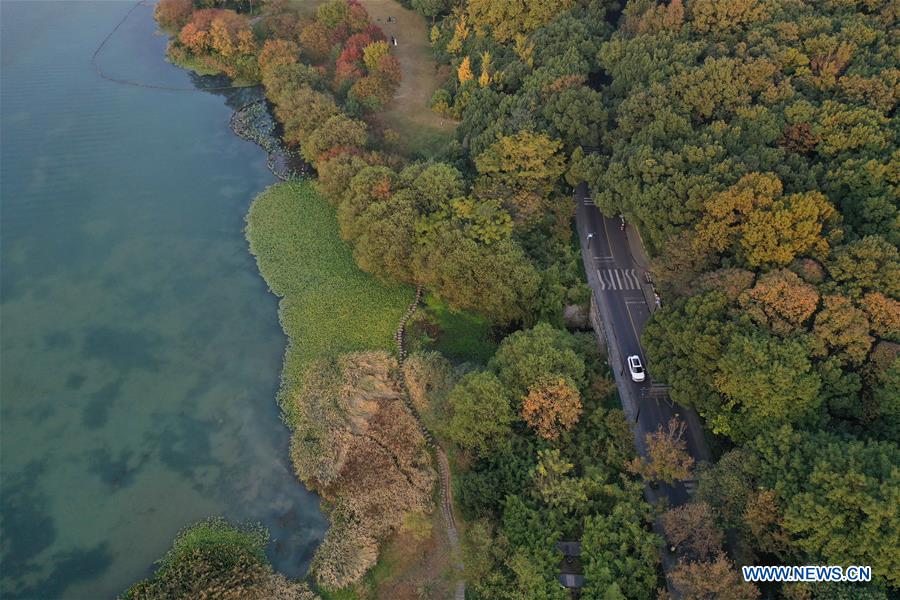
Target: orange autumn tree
x: 219, y: 40
x: 551, y: 407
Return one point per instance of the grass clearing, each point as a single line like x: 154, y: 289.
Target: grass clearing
x: 421, y: 131
x: 328, y: 306
x: 458, y: 335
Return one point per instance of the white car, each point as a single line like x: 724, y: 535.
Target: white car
x: 636, y: 368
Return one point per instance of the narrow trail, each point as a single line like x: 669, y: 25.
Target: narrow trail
x: 446, y: 489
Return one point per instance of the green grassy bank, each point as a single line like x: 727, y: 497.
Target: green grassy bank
x: 328, y: 306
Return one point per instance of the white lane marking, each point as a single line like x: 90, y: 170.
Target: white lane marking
x: 617, y: 279
x: 602, y: 283
x: 634, y: 278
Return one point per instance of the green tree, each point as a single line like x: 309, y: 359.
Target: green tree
x: 843, y: 330
x: 881, y: 400
x: 214, y: 558
x: 385, y: 243
x: 496, y: 280
x: 684, y: 344
x: 728, y: 483
x: 619, y: 551
x: 871, y: 264
x: 481, y: 412
x: 430, y: 8
x: 840, y: 496
x: 765, y: 382
x: 301, y: 111
x: 526, y: 357
x: 337, y: 134
x: 369, y: 186
x: 576, y: 116
x: 555, y: 483
x: 521, y: 171
x: 332, y: 13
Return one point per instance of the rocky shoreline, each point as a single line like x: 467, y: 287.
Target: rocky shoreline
x: 254, y: 122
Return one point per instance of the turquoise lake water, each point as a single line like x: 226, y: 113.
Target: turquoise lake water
x: 139, y: 348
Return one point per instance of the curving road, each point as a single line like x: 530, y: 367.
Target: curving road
x: 616, y: 272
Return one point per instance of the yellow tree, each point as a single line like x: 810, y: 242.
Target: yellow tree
x: 373, y: 53
x: 884, y: 315
x: 464, y: 71
x: 460, y: 33
x: 753, y: 220
x: 485, y: 79
x: 780, y: 300
x: 506, y: 18
x: 667, y: 457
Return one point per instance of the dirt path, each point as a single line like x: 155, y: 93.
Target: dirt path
x: 409, y: 113
x: 446, y: 489
x: 447, y: 509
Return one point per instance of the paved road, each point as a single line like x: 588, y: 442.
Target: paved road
x: 621, y: 292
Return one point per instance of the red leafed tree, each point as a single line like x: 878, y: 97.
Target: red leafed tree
x: 389, y: 69
x: 357, y: 18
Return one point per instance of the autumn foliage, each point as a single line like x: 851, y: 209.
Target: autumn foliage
x: 218, y: 40
x: 551, y: 407
x: 357, y: 444
x: 173, y: 14
x: 667, y: 457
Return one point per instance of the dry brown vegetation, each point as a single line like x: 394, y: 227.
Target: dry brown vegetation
x: 360, y: 448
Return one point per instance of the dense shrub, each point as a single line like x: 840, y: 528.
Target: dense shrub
x: 217, y: 559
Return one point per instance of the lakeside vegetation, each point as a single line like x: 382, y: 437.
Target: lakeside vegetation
x: 754, y: 145
x: 218, y: 559
x: 328, y: 306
